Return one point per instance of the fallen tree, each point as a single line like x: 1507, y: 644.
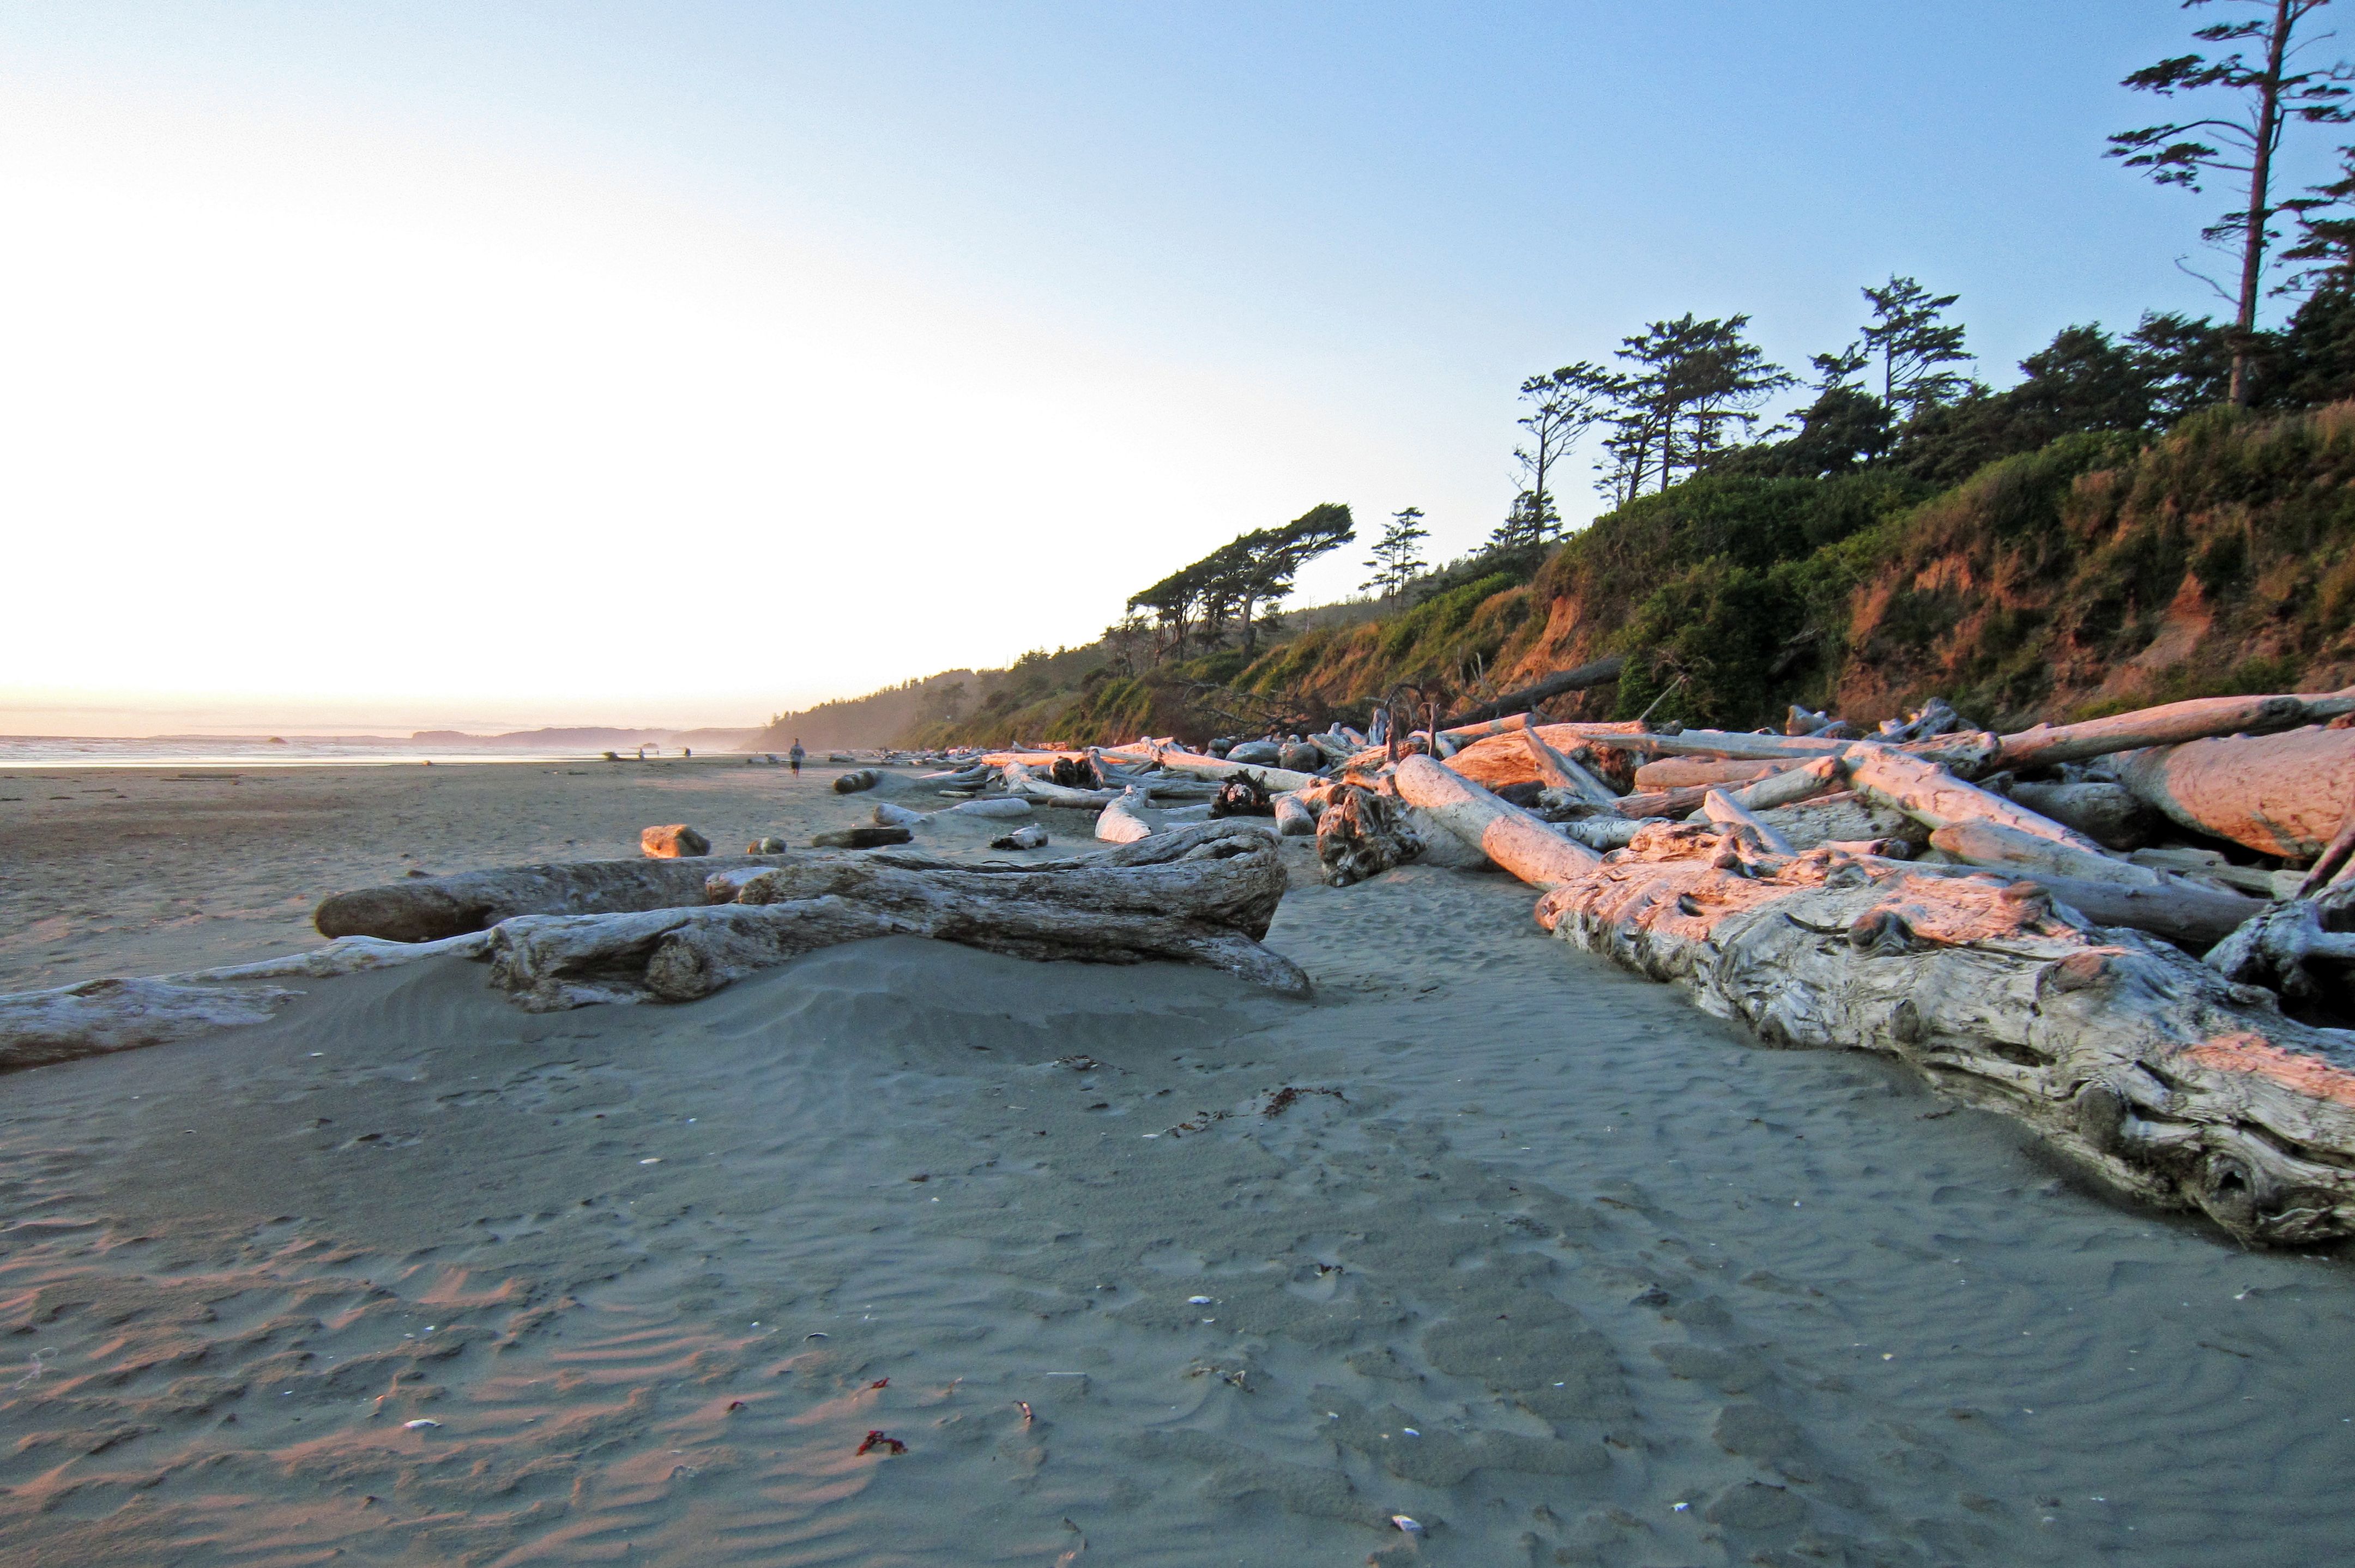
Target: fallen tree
x: 2047, y: 745
x: 428, y: 908
x: 1600, y: 673
x: 1201, y: 895
x: 2152, y: 1071
x: 2280, y: 794
x: 100, y: 1016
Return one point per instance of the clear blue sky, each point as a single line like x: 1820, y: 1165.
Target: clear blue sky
x: 1048, y: 298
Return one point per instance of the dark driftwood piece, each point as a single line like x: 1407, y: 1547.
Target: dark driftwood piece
x: 1599, y: 673
x: 2302, y: 948
x: 1202, y: 894
x: 862, y: 837
x: 1362, y: 834
x: 428, y: 908
x: 2154, y: 1071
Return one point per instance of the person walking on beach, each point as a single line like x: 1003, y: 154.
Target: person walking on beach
x: 796, y: 756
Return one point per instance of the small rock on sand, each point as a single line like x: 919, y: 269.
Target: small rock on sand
x: 671, y: 841
x: 770, y: 845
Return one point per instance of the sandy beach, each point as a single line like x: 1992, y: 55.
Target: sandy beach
x: 1142, y: 1265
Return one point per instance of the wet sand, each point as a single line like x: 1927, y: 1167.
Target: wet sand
x: 1561, y: 1268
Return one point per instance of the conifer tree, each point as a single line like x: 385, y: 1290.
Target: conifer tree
x: 1397, y: 560
x: 2267, y: 94
x: 1913, y: 343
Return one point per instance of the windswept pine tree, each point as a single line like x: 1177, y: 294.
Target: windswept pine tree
x: 2262, y: 98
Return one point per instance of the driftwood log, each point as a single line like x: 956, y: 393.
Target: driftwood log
x: 96, y: 1017
x: 857, y: 778
x: 1686, y: 772
x: 2106, y: 813
x: 1841, y: 817
x: 1121, y: 821
x: 2302, y: 948
x: 1563, y: 772
x: 1363, y: 833
x: 1934, y: 797
x: 860, y: 838
x: 428, y: 908
x: 1202, y: 896
x: 1791, y: 785
x: 2278, y: 794
x: 2153, y: 1072
x: 1600, y: 673
x: 2047, y: 745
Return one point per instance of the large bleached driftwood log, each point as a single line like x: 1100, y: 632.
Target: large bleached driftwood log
x: 1511, y: 837
x: 2175, y: 722
x: 1202, y: 894
x: 1193, y: 765
x: 428, y: 908
x: 2154, y: 1071
x: 2278, y: 794
x: 1937, y: 798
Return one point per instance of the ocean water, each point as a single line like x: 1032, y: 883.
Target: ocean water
x: 255, y: 751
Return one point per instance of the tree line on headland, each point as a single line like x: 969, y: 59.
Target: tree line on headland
x: 2153, y: 513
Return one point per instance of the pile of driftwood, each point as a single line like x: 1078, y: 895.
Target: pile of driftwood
x: 1986, y: 908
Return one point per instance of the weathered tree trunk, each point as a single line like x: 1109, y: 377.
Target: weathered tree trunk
x: 2106, y: 813
x: 1292, y: 817
x: 1021, y: 781
x: 1726, y: 814
x: 2294, y: 947
x: 1562, y: 773
x: 1997, y: 844
x: 1361, y: 834
x: 1937, y: 798
x: 2197, y: 720
x: 996, y: 806
x: 2279, y: 794
x: 860, y: 838
x: 1196, y: 766
x: 1120, y: 824
x: 1511, y: 837
x: 1201, y: 895
x: 2153, y: 1073
x: 1704, y: 772
x: 1511, y: 724
x: 1600, y: 673
x: 428, y: 908
x: 1663, y: 802
x: 96, y: 1017
x: 1969, y: 753
x: 857, y: 778
x: 1790, y: 786
x: 1841, y: 817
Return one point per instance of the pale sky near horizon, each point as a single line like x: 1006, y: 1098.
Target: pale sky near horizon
x: 388, y: 367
